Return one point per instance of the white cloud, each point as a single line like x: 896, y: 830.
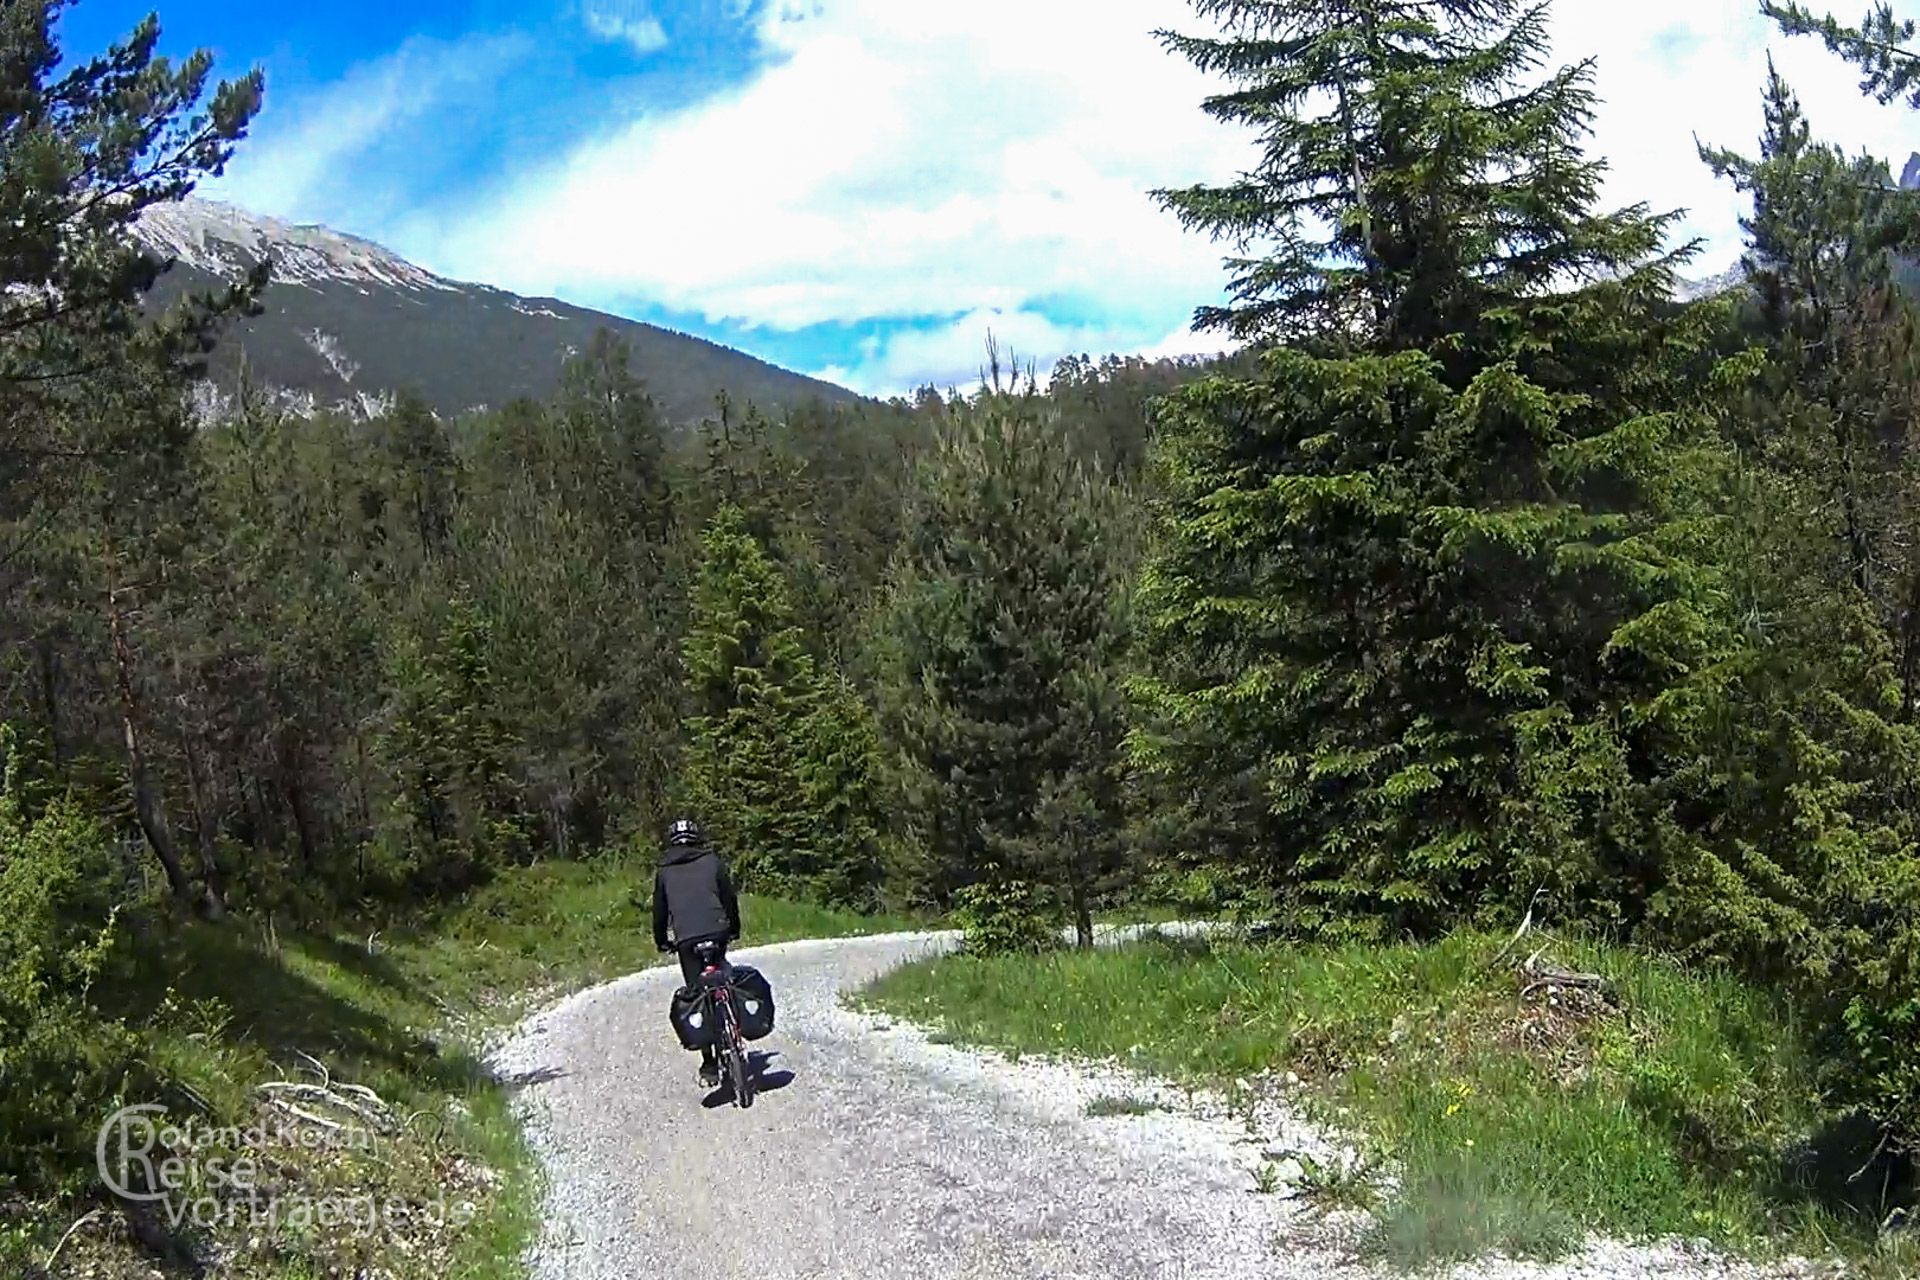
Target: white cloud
x: 299, y: 161
x: 952, y: 355
x: 628, y: 21
x: 896, y: 160
x: 892, y: 160
x: 1670, y: 71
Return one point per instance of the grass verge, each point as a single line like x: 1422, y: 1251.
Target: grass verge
x: 1518, y: 1119
x: 230, y: 1014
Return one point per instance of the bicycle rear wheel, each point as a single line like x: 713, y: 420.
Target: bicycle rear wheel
x: 736, y: 1049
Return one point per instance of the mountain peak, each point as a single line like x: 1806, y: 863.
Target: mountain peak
x: 347, y: 325
x: 226, y: 241
x: 1910, y: 176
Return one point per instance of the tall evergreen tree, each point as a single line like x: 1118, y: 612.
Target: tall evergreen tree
x: 456, y: 815
x: 778, y: 759
x: 1392, y: 561
x: 1807, y: 761
x: 1412, y: 179
x: 1837, y: 405
x: 89, y: 387
x: 999, y: 651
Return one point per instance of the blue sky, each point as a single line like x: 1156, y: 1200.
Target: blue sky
x: 862, y: 189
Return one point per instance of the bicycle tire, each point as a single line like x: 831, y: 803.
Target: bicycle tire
x: 741, y: 1078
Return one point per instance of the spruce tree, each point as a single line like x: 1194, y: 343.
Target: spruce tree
x: 1807, y: 761
x: 779, y: 758
x: 1833, y: 405
x: 1391, y: 561
x: 1414, y: 177
x: 455, y: 815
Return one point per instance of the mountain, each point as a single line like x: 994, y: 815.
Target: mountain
x: 1694, y: 290
x: 348, y: 324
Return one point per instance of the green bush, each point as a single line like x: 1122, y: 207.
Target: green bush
x: 61, y: 1061
x: 1008, y: 917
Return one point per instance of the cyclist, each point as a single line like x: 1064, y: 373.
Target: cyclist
x: 693, y: 895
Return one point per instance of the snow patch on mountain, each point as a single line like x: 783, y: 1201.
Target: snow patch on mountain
x: 1713, y: 287
x: 327, y: 346
x: 227, y: 242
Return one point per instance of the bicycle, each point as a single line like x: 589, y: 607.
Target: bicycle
x: 718, y: 981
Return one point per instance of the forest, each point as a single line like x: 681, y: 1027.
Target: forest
x: 1486, y: 579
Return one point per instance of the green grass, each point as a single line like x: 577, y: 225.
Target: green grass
x: 565, y: 925
x: 226, y: 1007
x: 1513, y: 1126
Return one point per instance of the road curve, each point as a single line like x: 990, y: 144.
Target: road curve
x: 876, y: 1154
x: 872, y: 1153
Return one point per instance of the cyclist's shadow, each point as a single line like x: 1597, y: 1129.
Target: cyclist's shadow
x: 764, y: 1081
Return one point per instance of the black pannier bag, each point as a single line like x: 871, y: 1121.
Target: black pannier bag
x: 752, y: 1002
x: 692, y: 1018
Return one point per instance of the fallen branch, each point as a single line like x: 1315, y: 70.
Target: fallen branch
x: 1526, y: 926
x: 82, y: 1221
x: 319, y: 1067
x: 1564, y: 979
x: 308, y: 1116
x: 369, y: 1106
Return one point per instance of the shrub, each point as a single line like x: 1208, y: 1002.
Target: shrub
x: 1006, y: 917
x: 61, y: 1061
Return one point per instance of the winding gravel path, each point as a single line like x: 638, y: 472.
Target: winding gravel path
x: 872, y: 1152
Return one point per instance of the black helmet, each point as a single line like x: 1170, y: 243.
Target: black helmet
x: 684, y: 831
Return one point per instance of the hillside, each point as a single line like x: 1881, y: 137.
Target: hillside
x: 348, y: 324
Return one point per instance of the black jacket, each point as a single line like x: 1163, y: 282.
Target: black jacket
x: 693, y: 895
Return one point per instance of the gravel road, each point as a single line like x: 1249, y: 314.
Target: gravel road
x: 875, y: 1153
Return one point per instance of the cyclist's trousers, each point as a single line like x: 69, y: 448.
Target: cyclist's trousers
x: 690, y: 966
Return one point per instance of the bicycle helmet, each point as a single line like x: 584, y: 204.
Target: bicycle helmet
x: 684, y: 831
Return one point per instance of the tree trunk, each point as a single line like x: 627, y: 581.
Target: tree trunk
x: 1082, y: 912
x: 291, y: 759
x: 1910, y: 645
x: 207, y: 833
x: 302, y: 823
x: 147, y: 810
x: 50, y: 694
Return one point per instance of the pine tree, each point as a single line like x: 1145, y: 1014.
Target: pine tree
x: 456, y: 809
x: 1835, y: 408
x: 1791, y: 721
x: 90, y: 388
x: 89, y: 145
x: 997, y: 654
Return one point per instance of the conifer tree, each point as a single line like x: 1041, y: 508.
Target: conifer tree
x: 1391, y: 561
x: 999, y: 650
x: 1881, y: 45
x: 456, y: 815
x: 1834, y: 405
x: 1414, y: 175
x: 779, y: 757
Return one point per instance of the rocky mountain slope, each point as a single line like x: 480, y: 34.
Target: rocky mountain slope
x: 348, y: 324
